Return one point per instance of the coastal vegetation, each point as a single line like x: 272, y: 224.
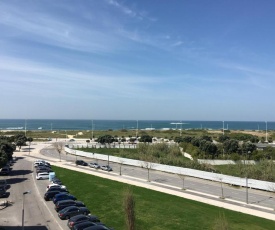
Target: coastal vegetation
x: 170, y: 134
x: 152, y: 210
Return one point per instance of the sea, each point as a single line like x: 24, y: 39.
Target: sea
x: 60, y: 124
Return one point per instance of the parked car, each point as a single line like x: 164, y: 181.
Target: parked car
x: 3, y: 183
x: 42, y: 175
x: 84, y: 225
x: 70, y: 211
x: 94, y: 165
x: 98, y: 227
x: 81, y: 162
x: 50, y: 194
x: 5, y: 170
x: 3, y: 190
x: 55, y: 180
x: 43, y: 169
x: 55, y: 186
x: 61, y: 196
x: 106, y: 168
x: 81, y: 218
x: 66, y: 203
x: 41, y: 163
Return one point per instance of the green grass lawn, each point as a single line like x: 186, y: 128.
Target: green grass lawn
x: 154, y: 210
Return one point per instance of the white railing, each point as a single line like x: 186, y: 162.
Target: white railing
x: 251, y: 183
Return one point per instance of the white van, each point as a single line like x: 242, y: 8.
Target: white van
x: 42, y: 175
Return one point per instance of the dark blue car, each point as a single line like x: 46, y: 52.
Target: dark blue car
x: 63, y: 196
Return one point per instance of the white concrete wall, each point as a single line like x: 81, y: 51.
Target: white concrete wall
x: 256, y: 184
x: 224, y: 162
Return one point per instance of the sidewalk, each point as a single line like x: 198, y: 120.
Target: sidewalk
x: 233, y: 205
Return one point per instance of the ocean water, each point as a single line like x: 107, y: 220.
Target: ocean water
x: 44, y: 124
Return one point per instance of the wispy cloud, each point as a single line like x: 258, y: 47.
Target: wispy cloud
x: 20, y: 72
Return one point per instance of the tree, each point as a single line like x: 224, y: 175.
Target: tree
x: 20, y: 140
x: 30, y: 140
x: 178, y: 139
x: 248, y: 148
x: 105, y: 139
x: 6, y: 151
x: 129, y: 208
x: 196, y: 142
x: 59, y: 146
x: 223, y: 138
x: 209, y: 148
x: 231, y: 146
x: 182, y: 177
x: 145, y: 138
x: 87, y: 141
x: 187, y: 139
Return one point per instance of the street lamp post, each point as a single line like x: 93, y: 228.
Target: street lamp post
x: 23, y: 201
x: 246, y: 179
x: 266, y: 132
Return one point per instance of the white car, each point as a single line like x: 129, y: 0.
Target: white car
x: 55, y: 185
x: 106, y: 168
x: 41, y: 163
x: 42, y: 176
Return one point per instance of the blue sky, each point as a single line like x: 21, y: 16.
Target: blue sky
x: 137, y: 59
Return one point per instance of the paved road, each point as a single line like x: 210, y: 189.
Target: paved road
x: 40, y: 215
x: 193, y: 185
x: 36, y: 212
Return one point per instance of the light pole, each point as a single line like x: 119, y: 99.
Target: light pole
x: 23, y: 201
x: 266, y: 132
x: 137, y: 130
x: 246, y: 179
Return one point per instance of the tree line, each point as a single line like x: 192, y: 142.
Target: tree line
x: 8, y: 145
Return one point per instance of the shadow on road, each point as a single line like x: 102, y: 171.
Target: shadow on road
x: 26, y: 149
x: 20, y: 172
x: 15, y: 180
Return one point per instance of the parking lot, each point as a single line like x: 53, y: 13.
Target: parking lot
x: 38, y: 214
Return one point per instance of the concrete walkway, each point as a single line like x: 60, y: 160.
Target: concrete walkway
x: 237, y: 206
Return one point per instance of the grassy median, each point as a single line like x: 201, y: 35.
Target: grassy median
x: 154, y: 210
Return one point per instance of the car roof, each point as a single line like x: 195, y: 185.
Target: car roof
x: 65, y: 201
x: 68, y: 208
x: 84, y: 223
x: 97, y: 227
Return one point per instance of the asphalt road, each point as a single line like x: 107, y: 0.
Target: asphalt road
x: 190, y: 184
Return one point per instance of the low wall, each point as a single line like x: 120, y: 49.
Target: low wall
x: 251, y: 183
x: 225, y: 162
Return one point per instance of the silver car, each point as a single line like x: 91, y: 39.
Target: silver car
x: 94, y: 165
x: 106, y: 168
